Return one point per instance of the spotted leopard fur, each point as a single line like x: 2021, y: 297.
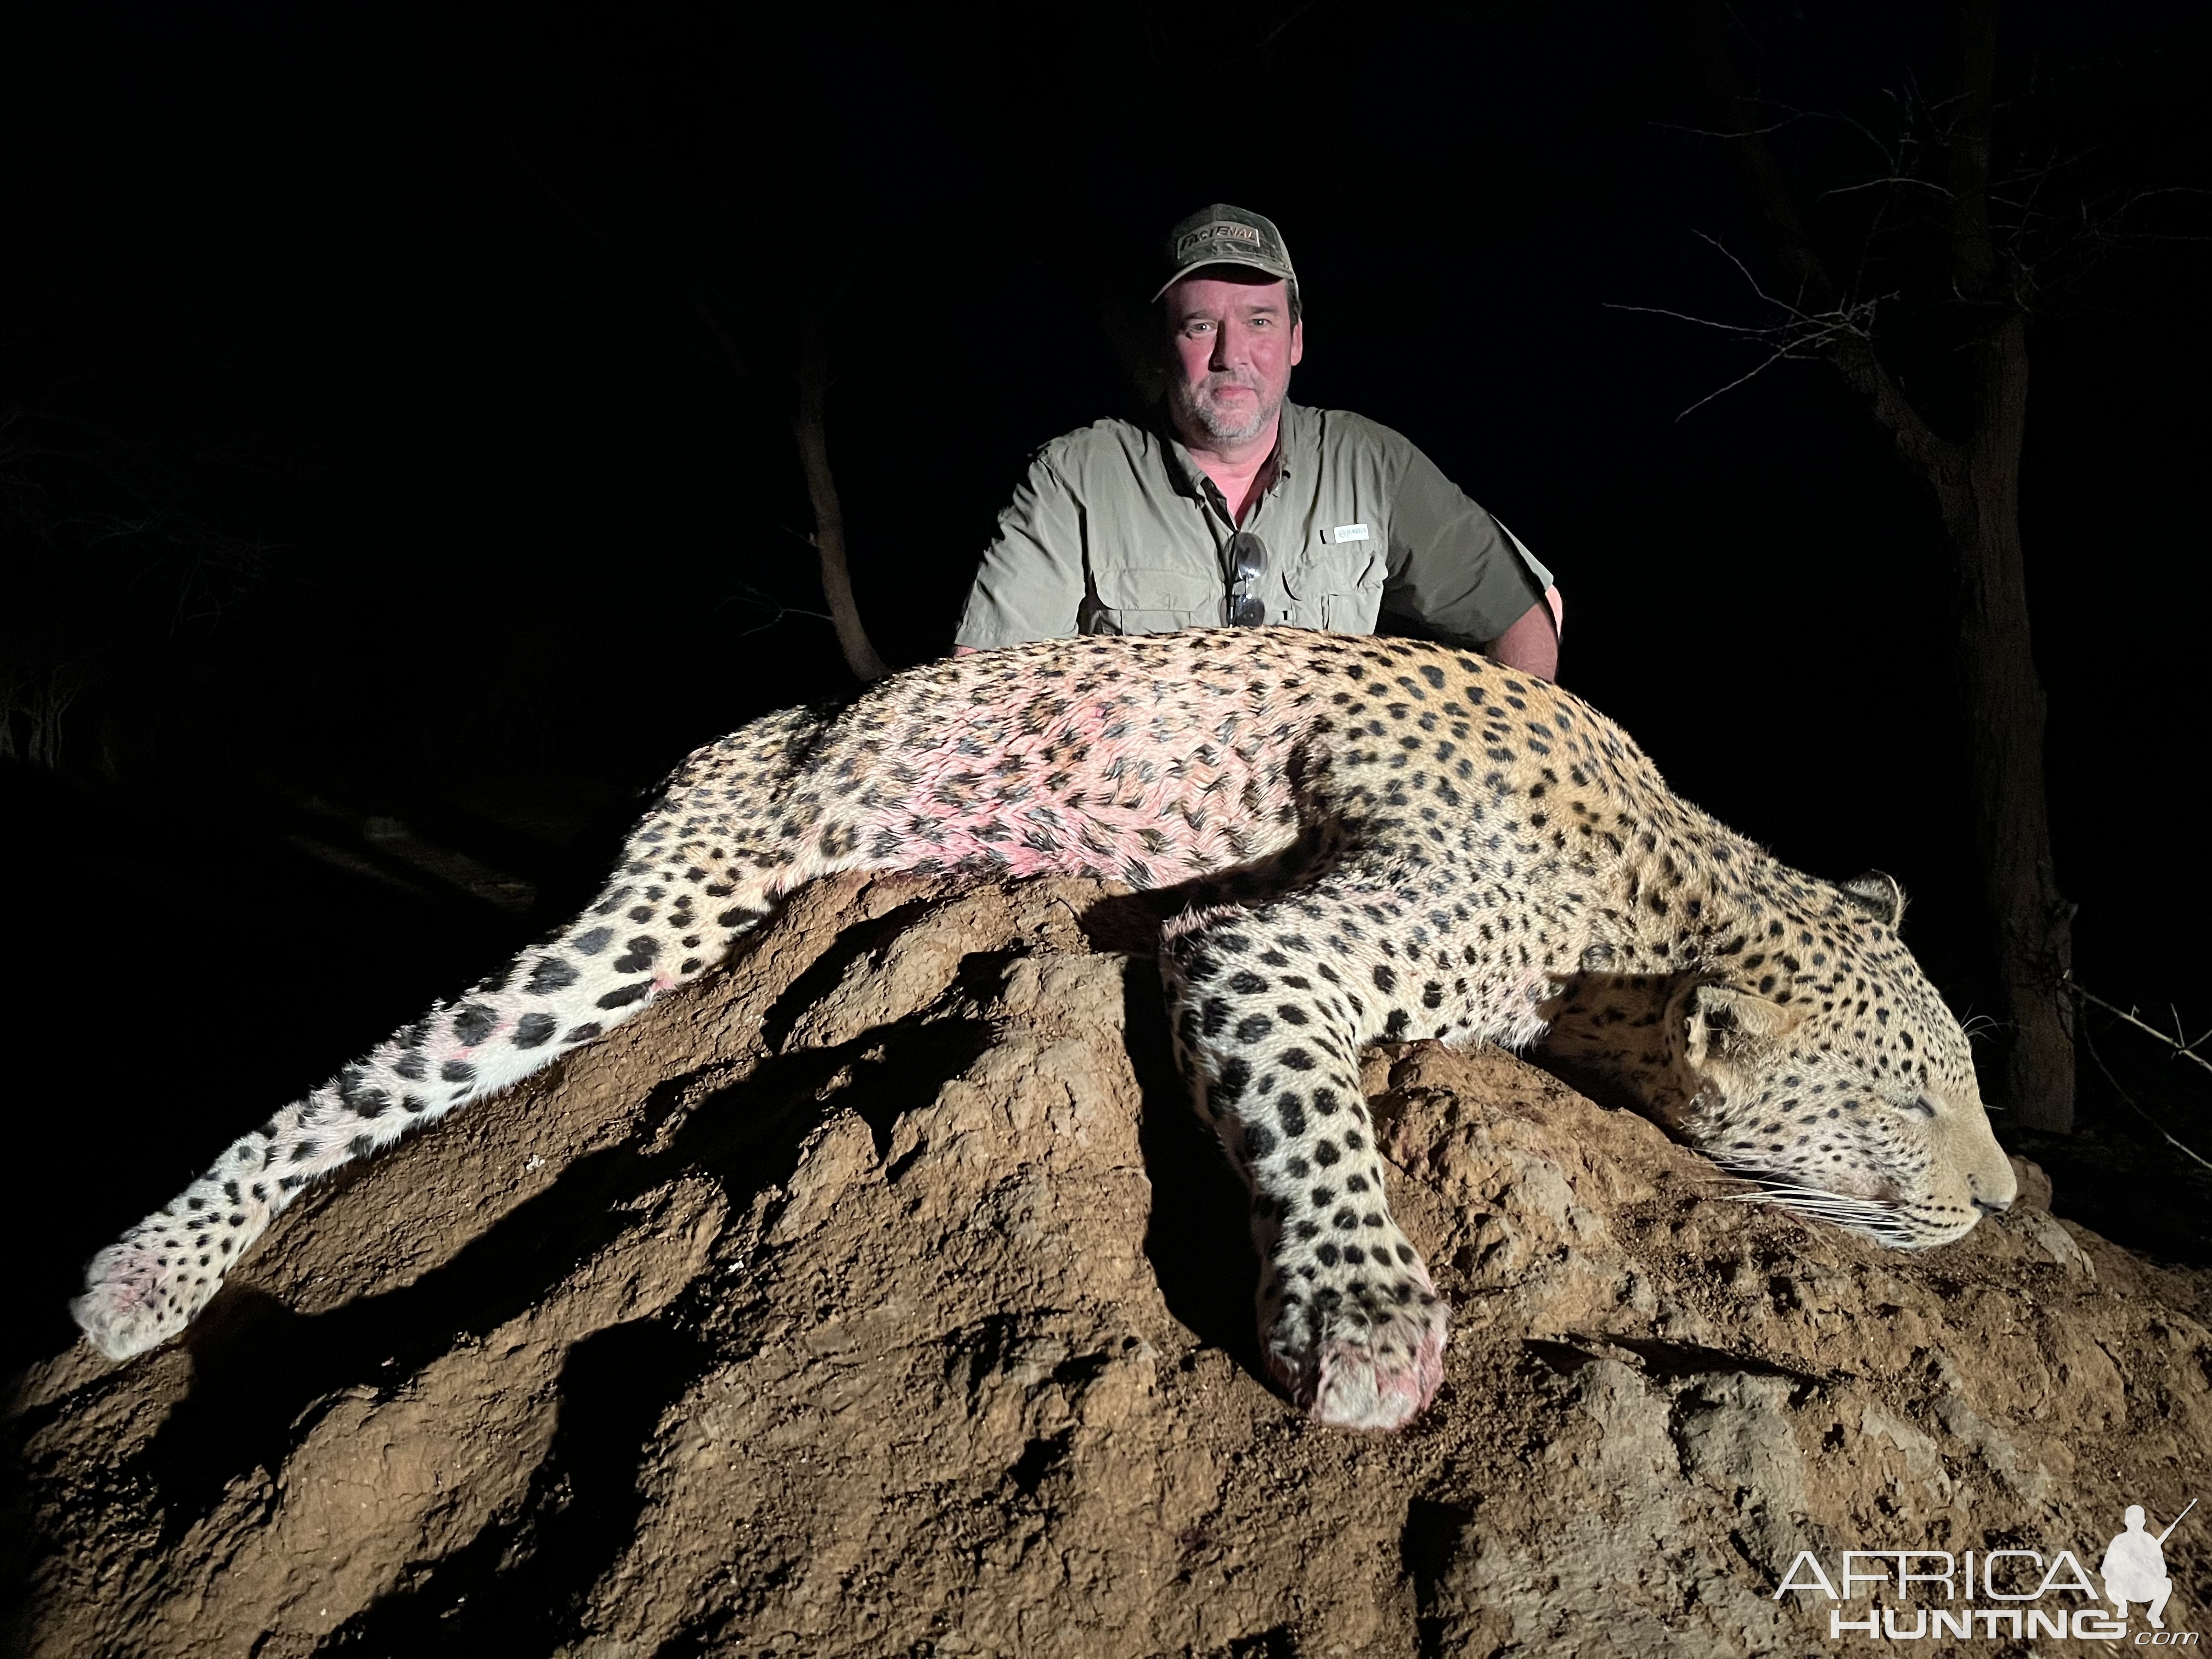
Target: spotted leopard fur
x: 1402, y: 840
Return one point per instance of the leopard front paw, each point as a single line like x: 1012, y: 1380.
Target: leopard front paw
x: 1361, y: 1346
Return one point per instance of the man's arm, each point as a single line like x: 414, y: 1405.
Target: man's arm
x: 1457, y: 571
x: 1532, y: 644
x: 1031, y: 583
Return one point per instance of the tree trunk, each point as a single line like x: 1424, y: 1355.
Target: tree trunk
x: 1976, y: 487
x: 2003, y: 704
x: 2002, y: 696
x: 809, y: 426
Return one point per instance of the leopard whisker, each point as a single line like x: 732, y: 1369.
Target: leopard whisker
x: 1871, y: 1218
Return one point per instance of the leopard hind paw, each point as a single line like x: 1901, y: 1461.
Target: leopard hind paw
x: 139, y: 1292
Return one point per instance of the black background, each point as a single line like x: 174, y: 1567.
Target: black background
x: 369, y: 457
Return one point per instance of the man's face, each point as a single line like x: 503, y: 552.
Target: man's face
x: 1233, y: 348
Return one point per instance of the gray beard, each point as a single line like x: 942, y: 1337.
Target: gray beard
x: 1190, y: 411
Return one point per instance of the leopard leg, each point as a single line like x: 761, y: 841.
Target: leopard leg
x: 703, y: 868
x: 1267, y: 1030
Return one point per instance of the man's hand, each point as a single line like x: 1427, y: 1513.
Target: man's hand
x: 965, y: 650
x: 1532, y: 644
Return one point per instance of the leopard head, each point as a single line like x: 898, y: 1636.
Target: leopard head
x: 1825, y: 1069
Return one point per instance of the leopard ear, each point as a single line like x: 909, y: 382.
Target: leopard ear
x: 1722, y: 1025
x: 1878, y: 894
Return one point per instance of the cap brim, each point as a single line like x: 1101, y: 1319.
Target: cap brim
x: 1280, y: 273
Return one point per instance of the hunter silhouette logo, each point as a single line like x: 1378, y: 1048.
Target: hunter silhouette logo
x: 2000, y: 1595
x: 2134, y: 1566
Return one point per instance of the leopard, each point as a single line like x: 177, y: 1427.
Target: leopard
x: 1373, y: 841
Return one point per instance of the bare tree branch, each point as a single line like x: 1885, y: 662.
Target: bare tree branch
x: 711, y: 319
x: 1853, y: 356
x: 1799, y: 334
x: 2182, y: 1050
x: 749, y: 594
x: 809, y: 425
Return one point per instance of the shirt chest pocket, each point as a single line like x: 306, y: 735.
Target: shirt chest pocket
x: 1337, y: 588
x: 1141, y: 601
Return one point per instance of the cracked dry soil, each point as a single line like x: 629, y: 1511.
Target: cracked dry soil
x: 884, y: 1296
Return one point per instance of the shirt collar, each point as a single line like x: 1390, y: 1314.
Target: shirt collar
x: 1294, y: 447
x: 1294, y: 439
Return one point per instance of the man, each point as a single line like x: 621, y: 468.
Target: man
x: 1237, y: 507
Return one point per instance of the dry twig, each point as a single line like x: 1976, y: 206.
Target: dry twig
x: 1798, y: 333
x: 2182, y: 1044
x: 2183, y: 1047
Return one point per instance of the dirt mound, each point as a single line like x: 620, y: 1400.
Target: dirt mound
x: 883, y: 1296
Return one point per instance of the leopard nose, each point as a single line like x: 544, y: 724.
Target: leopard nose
x: 1992, y: 1182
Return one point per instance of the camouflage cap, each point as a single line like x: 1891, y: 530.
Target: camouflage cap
x: 1225, y: 235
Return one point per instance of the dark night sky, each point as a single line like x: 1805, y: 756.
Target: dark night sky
x: 405, y: 300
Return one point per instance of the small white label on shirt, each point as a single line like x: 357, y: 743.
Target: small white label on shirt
x: 1348, y: 532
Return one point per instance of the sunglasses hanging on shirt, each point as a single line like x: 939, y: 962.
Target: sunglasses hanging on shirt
x: 1247, y: 562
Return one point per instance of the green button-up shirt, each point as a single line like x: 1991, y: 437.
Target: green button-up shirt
x: 1115, y: 531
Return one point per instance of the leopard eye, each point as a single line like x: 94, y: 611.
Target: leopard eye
x: 1925, y: 1105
